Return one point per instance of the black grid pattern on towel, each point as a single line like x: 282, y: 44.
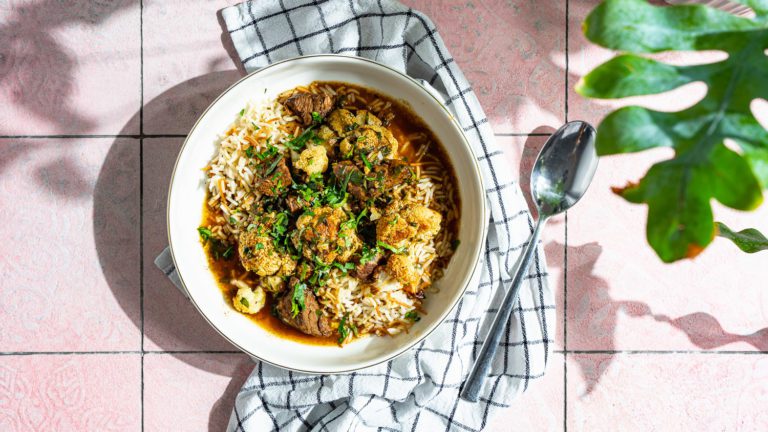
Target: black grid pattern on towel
x: 276, y: 399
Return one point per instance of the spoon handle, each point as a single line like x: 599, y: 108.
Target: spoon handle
x: 482, y: 365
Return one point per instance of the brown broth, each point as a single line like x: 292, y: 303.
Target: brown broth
x: 404, y: 124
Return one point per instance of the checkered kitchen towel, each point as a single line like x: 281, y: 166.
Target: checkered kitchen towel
x: 420, y: 389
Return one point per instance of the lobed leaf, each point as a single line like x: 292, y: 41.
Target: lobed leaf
x: 678, y: 191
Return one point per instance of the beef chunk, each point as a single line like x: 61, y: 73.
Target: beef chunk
x: 277, y: 180
x: 365, y: 271
x: 294, y: 204
x: 355, y: 185
x: 308, y: 320
x: 304, y: 104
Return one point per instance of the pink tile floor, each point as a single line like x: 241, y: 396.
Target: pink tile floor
x: 95, y: 99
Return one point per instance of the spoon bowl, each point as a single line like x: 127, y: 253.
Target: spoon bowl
x: 560, y: 177
x: 564, y: 168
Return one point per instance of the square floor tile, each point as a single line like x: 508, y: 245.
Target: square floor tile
x: 187, y: 63
x: 667, y: 392
x: 192, y: 392
x: 171, y: 322
x: 513, y: 54
x: 622, y: 296
x: 540, y: 408
x: 69, y: 67
x: 70, y: 245
x: 70, y: 393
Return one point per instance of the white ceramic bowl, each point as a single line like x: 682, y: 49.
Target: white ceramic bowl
x: 187, y: 192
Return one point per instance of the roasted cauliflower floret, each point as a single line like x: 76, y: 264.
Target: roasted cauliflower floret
x: 273, y: 284
x: 374, y: 142
x: 258, y: 254
x: 313, y: 160
x: 426, y: 221
x: 364, y: 117
x: 324, y: 236
x: 248, y: 300
x: 394, y: 230
x: 413, y: 222
x: 402, y: 269
x: 342, y: 121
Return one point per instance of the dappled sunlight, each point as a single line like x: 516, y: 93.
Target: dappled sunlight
x: 759, y: 108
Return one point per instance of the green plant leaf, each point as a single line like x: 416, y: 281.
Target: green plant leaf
x: 678, y: 191
x: 749, y: 240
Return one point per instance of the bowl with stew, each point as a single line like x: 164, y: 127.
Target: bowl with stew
x: 326, y: 213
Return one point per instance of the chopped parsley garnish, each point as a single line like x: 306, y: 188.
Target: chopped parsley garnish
x: 298, y: 143
x: 412, y: 316
x: 255, y: 127
x: 366, y: 161
x: 242, y: 111
x: 273, y: 165
x: 297, y: 299
x: 259, y: 246
x: 344, y: 328
x: 316, y: 117
x: 232, y: 220
x: 205, y: 233
x: 249, y: 152
x: 244, y: 302
x: 390, y: 248
x: 346, y: 267
x: 368, y: 254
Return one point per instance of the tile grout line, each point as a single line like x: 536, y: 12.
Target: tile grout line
x: 141, y: 197
x: 565, y: 245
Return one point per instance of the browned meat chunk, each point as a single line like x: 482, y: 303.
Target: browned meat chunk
x: 276, y: 179
x: 309, y: 320
x: 294, y: 203
x: 356, y: 180
x: 304, y: 104
x: 364, y: 271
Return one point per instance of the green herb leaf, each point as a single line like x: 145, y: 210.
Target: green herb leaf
x: 244, y: 302
x: 272, y: 166
x: 250, y: 227
x: 749, y: 240
x: 297, y: 299
x: 232, y: 220
x: 300, y: 141
x: 242, y: 111
x: 205, y: 233
x: 255, y: 127
x: 316, y: 117
x: 412, y: 316
x: 343, y: 330
x: 366, y: 161
x: 392, y: 249
x: 678, y: 191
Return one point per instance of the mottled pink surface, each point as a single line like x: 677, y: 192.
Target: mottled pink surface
x: 91, y: 331
x: 97, y: 392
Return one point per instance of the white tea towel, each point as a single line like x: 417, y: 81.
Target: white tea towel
x: 420, y: 389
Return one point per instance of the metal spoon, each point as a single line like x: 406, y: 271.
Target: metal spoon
x: 560, y: 177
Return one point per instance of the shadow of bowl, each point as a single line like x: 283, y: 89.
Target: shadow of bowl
x: 169, y: 322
